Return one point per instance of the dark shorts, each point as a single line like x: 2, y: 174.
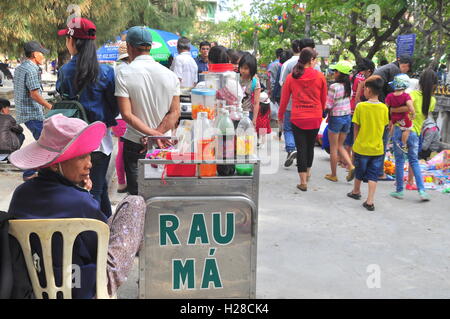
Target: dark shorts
x: 349, y: 140
x: 340, y: 124
x: 367, y: 168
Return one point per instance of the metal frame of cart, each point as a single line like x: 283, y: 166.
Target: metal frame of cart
x: 175, y: 243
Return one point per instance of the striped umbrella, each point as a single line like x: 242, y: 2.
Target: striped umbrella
x: 164, y: 44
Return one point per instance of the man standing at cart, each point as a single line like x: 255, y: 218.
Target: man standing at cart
x: 148, y: 95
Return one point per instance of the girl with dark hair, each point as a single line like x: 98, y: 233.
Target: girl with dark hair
x: 250, y: 85
x: 339, y: 119
x: 234, y: 57
x: 424, y: 103
x: 93, y: 85
x: 308, y: 89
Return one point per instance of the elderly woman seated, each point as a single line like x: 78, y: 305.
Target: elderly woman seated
x: 61, y: 190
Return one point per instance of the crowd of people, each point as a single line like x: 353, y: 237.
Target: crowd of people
x: 65, y: 168
x: 364, y: 107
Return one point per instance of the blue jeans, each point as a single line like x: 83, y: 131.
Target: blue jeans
x: 385, y: 143
x: 413, y: 158
x: 367, y: 167
x: 340, y: 124
x: 289, y: 140
x: 35, y: 127
x: 100, y: 163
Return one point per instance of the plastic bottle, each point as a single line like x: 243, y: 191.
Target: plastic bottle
x: 220, y: 112
x: 234, y: 115
x: 184, y: 137
x: 225, y: 142
x: 245, y: 144
x: 240, y: 112
x: 204, y: 144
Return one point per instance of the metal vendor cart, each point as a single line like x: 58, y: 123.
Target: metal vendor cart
x: 200, y: 233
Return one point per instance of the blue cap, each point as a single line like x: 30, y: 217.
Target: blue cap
x: 139, y: 37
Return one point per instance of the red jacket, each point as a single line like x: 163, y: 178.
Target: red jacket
x: 309, y: 95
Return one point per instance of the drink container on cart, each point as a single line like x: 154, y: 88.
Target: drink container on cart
x: 234, y: 115
x: 204, y: 144
x: 225, y: 141
x: 203, y: 100
x: 245, y: 145
x: 223, y: 79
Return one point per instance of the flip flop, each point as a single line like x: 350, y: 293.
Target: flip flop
x: 354, y: 196
x: 369, y: 207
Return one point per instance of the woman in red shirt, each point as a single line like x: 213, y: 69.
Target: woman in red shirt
x: 308, y: 88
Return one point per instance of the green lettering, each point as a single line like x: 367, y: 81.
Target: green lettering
x: 168, y: 231
x: 211, y: 274
x: 198, y: 230
x: 182, y: 272
x: 217, y: 228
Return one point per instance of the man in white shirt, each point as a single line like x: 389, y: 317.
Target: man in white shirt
x: 148, y: 95
x: 184, y: 65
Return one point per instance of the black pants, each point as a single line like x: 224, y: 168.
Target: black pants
x: 304, y: 142
x: 131, y: 155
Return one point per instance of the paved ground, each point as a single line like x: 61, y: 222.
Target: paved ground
x: 321, y: 244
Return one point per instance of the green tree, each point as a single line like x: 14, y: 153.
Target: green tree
x: 24, y: 20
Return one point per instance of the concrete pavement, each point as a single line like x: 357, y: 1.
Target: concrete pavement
x: 322, y: 244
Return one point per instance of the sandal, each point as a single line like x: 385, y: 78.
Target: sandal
x: 331, y: 178
x: 354, y: 196
x: 302, y: 187
x: 369, y: 207
x: 351, y: 174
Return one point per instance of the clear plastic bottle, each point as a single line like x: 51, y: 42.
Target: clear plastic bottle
x: 225, y: 142
x: 234, y: 115
x: 220, y: 113
x: 245, y: 144
x: 184, y: 136
x: 240, y: 112
x: 204, y: 144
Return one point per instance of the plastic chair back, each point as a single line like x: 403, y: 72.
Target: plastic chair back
x: 69, y: 228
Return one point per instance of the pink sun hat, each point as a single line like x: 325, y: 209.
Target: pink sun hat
x: 62, y: 138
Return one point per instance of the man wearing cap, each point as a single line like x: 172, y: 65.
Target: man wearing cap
x: 28, y: 98
x: 149, y: 100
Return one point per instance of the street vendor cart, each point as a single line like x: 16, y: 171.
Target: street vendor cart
x: 200, y: 235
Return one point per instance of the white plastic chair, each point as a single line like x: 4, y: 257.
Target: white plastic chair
x: 69, y: 228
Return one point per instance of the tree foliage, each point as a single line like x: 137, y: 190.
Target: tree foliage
x: 39, y: 20
x: 353, y: 28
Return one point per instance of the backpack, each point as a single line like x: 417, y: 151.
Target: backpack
x: 69, y: 107
x: 276, y: 93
